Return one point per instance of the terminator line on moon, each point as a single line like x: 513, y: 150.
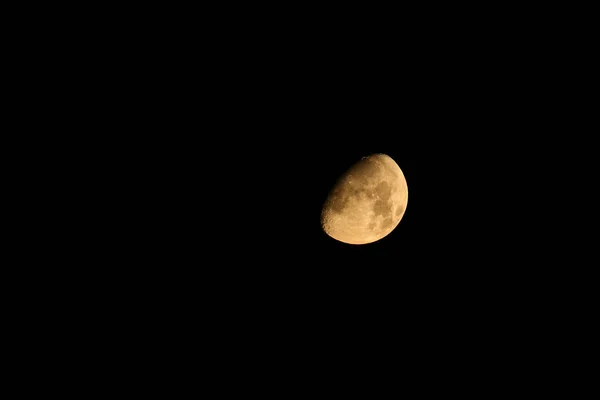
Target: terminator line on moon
x: 367, y: 202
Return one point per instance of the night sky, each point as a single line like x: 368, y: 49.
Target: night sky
x: 213, y: 140
x: 234, y: 147
x: 240, y: 156
x: 245, y: 223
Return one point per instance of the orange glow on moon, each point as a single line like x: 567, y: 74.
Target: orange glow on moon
x: 367, y: 202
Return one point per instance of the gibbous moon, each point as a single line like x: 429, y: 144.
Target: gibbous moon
x: 367, y: 202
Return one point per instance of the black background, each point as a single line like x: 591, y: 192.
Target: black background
x: 218, y: 142
x: 238, y: 135
x: 177, y: 162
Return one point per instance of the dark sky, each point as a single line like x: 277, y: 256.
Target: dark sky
x: 238, y: 138
x: 245, y: 140
x: 244, y: 219
x: 225, y: 143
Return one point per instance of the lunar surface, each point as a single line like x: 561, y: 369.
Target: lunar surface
x: 367, y: 202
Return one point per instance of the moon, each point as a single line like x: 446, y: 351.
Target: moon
x: 367, y: 202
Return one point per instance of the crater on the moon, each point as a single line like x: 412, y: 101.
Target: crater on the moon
x: 338, y: 199
x: 365, y: 170
x: 383, y: 190
x: 386, y: 223
x: 399, y: 210
x: 382, y: 208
